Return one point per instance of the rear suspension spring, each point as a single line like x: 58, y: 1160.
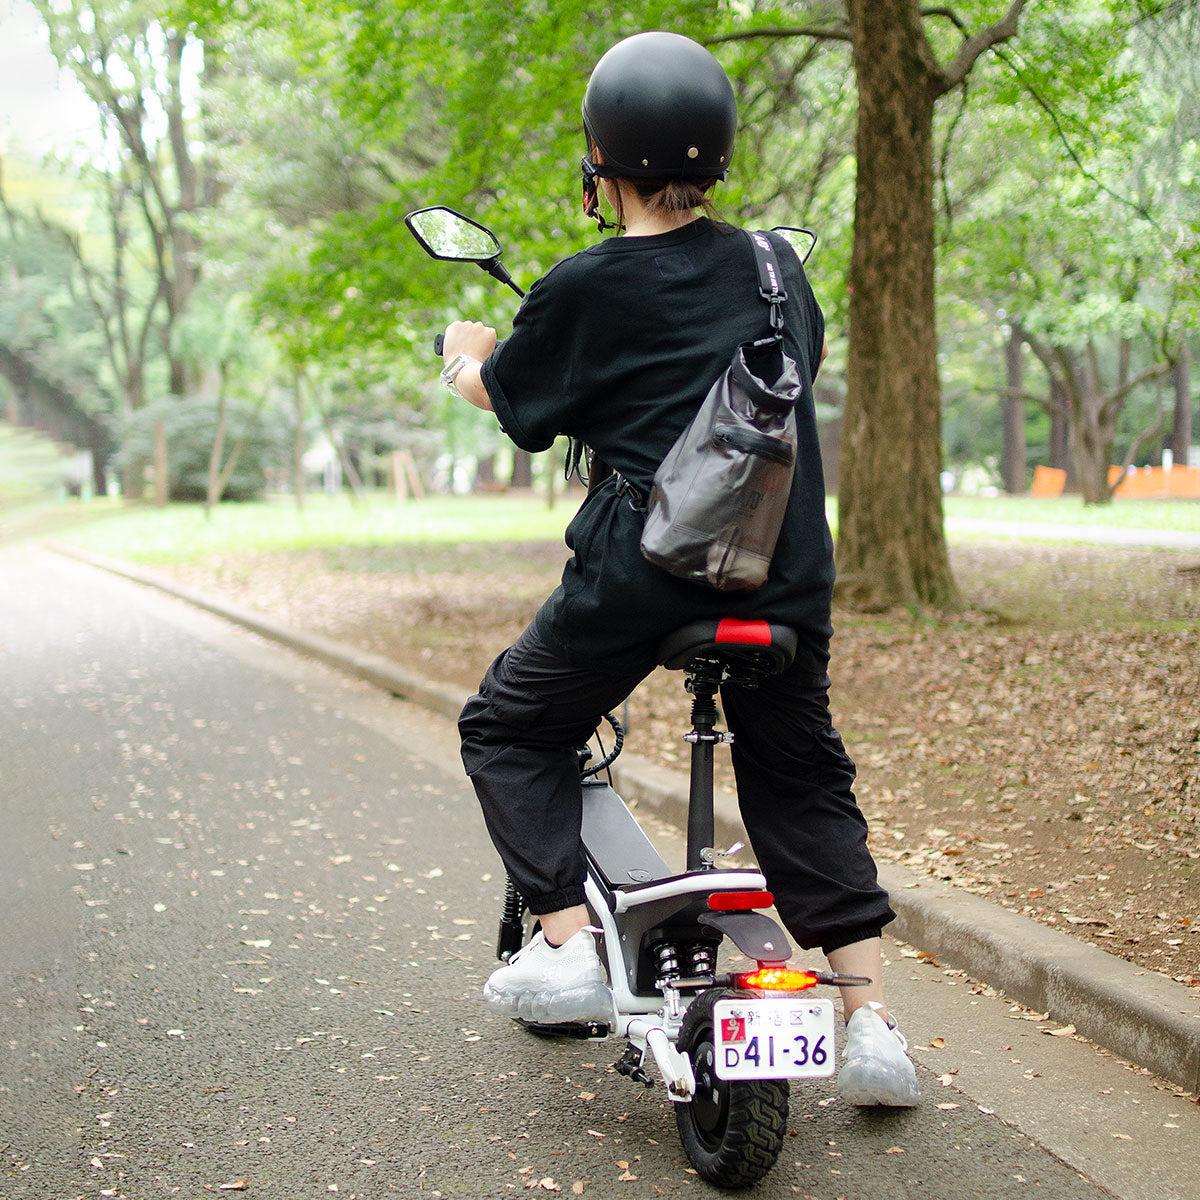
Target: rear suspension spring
x: 666, y: 956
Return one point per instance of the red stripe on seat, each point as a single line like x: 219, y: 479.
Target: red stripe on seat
x: 746, y: 633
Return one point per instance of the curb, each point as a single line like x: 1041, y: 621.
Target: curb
x: 1145, y: 1018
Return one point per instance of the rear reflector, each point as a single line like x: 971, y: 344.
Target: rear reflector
x: 739, y: 901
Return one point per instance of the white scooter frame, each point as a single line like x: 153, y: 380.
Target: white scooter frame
x: 660, y: 934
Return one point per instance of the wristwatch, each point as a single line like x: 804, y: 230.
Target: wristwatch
x: 452, y: 368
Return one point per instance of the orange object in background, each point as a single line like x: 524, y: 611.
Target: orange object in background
x: 1142, y: 483
x: 1048, y: 481
x: 1157, y: 483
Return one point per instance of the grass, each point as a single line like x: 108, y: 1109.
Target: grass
x: 1157, y: 515
x: 182, y: 533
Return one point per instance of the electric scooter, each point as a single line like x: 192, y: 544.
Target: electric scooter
x: 725, y: 1045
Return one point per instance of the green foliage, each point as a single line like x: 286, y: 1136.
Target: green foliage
x: 341, y: 119
x: 1070, y: 185
x: 32, y: 466
x: 44, y: 316
x: 190, y: 425
x: 1071, y: 209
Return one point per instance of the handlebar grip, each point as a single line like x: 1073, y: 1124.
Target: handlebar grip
x: 437, y: 344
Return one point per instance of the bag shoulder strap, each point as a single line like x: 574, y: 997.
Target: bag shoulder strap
x: 770, y: 282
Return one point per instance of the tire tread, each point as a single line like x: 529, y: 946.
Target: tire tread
x: 756, y: 1121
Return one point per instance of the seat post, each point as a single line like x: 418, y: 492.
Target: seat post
x: 703, y: 682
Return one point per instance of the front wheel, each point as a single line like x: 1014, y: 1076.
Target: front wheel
x: 732, y: 1130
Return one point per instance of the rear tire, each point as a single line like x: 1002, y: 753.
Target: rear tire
x: 732, y: 1130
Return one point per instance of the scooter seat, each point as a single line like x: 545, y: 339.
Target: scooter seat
x: 759, y: 647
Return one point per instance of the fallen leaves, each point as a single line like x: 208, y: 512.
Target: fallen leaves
x: 1039, y: 749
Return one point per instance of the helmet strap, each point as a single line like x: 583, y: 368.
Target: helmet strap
x: 591, y: 198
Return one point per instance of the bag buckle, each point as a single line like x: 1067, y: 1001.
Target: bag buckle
x: 635, y: 497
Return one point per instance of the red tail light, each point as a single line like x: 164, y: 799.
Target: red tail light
x: 775, y: 979
x: 739, y: 901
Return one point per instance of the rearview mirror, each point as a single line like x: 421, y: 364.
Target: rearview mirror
x: 450, y: 236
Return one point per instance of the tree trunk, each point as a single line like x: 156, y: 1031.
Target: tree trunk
x: 891, y: 547
x: 1060, y: 450
x: 1013, y: 466
x: 162, y: 483
x: 213, y: 491
x: 485, y: 474
x: 1093, y: 426
x: 352, y: 473
x: 522, y: 471
x: 1091, y: 453
x: 182, y: 281
x: 100, y: 451
x: 298, y: 445
x: 1181, y: 428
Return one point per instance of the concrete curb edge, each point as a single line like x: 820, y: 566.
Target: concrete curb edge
x: 1143, y: 1017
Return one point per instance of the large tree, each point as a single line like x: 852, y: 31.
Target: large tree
x: 336, y: 122
x: 50, y: 345
x: 500, y: 88
x: 478, y: 105
x: 891, y: 542
x: 138, y: 63
x: 1080, y: 247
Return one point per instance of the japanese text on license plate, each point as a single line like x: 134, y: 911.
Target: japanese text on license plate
x: 776, y: 1038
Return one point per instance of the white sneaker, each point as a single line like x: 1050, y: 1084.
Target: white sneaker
x: 877, y: 1068
x: 552, y: 984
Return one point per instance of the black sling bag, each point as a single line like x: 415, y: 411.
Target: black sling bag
x: 719, y: 497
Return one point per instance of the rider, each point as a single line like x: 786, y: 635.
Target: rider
x: 616, y: 347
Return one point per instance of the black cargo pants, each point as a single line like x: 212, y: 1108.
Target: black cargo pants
x: 794, y: 780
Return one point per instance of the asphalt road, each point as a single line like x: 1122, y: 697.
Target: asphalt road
x: 249, y: 906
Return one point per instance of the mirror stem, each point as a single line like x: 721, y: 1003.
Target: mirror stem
x: 497, y: 270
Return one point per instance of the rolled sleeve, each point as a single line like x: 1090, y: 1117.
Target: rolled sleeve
x: 502, y: 406
x: 530, y: 376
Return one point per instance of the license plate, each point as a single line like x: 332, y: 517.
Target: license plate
x: 781, y: 1037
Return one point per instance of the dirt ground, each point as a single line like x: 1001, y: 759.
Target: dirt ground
x: 1043, y: 750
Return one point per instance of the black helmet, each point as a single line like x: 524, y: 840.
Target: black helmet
x: 660, y: 106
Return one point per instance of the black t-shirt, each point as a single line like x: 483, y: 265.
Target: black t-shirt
x: 617, y: 346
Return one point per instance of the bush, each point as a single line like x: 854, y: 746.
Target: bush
x: 191, y: 426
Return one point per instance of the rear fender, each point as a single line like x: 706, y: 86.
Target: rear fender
x: 755, y: 935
